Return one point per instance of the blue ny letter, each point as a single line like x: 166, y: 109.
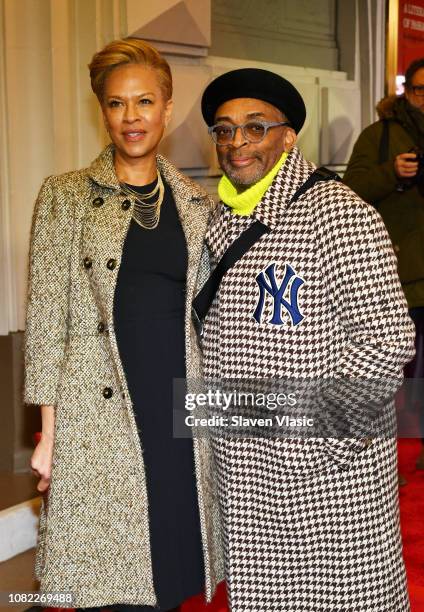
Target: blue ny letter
x: 277, y: 293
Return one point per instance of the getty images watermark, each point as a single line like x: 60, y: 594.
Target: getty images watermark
x: 306, y: 408
x: 226, y: 401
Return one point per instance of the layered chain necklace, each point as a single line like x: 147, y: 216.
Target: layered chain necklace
x: 146, y: 211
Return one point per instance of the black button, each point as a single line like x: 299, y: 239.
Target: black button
x: 98, y: 202
x: 111, y: 264
x: 107, y: 392
x: 87, y: 262
x: 126, y: 204
x: 101, y: 327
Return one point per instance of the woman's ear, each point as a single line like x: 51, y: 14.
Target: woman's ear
x: 105, y: 123
x: 168, y: 111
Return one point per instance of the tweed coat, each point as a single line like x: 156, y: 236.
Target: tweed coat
x: 94, y: 532
x: 312, y: 524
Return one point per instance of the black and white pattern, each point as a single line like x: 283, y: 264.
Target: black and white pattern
x: 310, y: 525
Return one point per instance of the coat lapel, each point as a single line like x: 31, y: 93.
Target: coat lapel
x: 105, y: 228
x: 104, y: 232
x: 194, y: 208
x: 290, y: 177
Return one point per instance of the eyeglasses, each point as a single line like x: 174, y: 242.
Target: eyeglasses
x: 418, y: 90
x: 253, y: 131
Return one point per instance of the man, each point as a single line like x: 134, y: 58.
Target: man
x: 384, y: 171
x: 310, y: 524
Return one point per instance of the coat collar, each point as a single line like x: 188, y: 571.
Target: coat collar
x: 290, y: 177
x: 102, y: 172
x: 102, y: 169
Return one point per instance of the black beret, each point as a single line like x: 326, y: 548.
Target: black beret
x: 254, y: 83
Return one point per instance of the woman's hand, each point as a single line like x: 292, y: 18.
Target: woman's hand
x: 41, y: 461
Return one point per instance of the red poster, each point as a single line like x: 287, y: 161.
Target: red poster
x: 411, y: 33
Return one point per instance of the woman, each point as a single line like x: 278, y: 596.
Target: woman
x: 130, y: 515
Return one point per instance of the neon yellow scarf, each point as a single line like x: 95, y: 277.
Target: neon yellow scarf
x: 245, y: 203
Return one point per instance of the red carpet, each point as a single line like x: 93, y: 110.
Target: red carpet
x: 197, y: 604
x: 412, y: 520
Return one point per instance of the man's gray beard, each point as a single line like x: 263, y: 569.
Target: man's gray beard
x: 238, y: 182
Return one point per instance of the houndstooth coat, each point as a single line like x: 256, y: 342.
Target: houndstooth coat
x: 310, y: 525
x: 94, y: 533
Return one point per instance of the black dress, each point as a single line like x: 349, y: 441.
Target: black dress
x: 149, y: 311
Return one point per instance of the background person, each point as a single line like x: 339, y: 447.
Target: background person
x: 385, y: 170
x: 129, y: 516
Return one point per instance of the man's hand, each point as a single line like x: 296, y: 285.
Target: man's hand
x: 406, y: 165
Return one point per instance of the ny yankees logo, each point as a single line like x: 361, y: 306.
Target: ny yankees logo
x: 277, y: 293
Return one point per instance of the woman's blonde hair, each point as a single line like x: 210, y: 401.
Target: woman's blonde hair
x: 128, y: 51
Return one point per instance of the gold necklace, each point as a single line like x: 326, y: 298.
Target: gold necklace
x: 147, y: 214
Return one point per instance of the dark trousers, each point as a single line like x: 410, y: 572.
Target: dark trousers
x: 415, y: 369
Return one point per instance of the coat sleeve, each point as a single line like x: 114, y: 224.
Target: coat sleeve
x: 48, y: 296
x: 371, y: 180
x: 365, y: 290
x: 367, y: 298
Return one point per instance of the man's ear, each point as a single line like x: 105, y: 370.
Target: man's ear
x: 290, y: 138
